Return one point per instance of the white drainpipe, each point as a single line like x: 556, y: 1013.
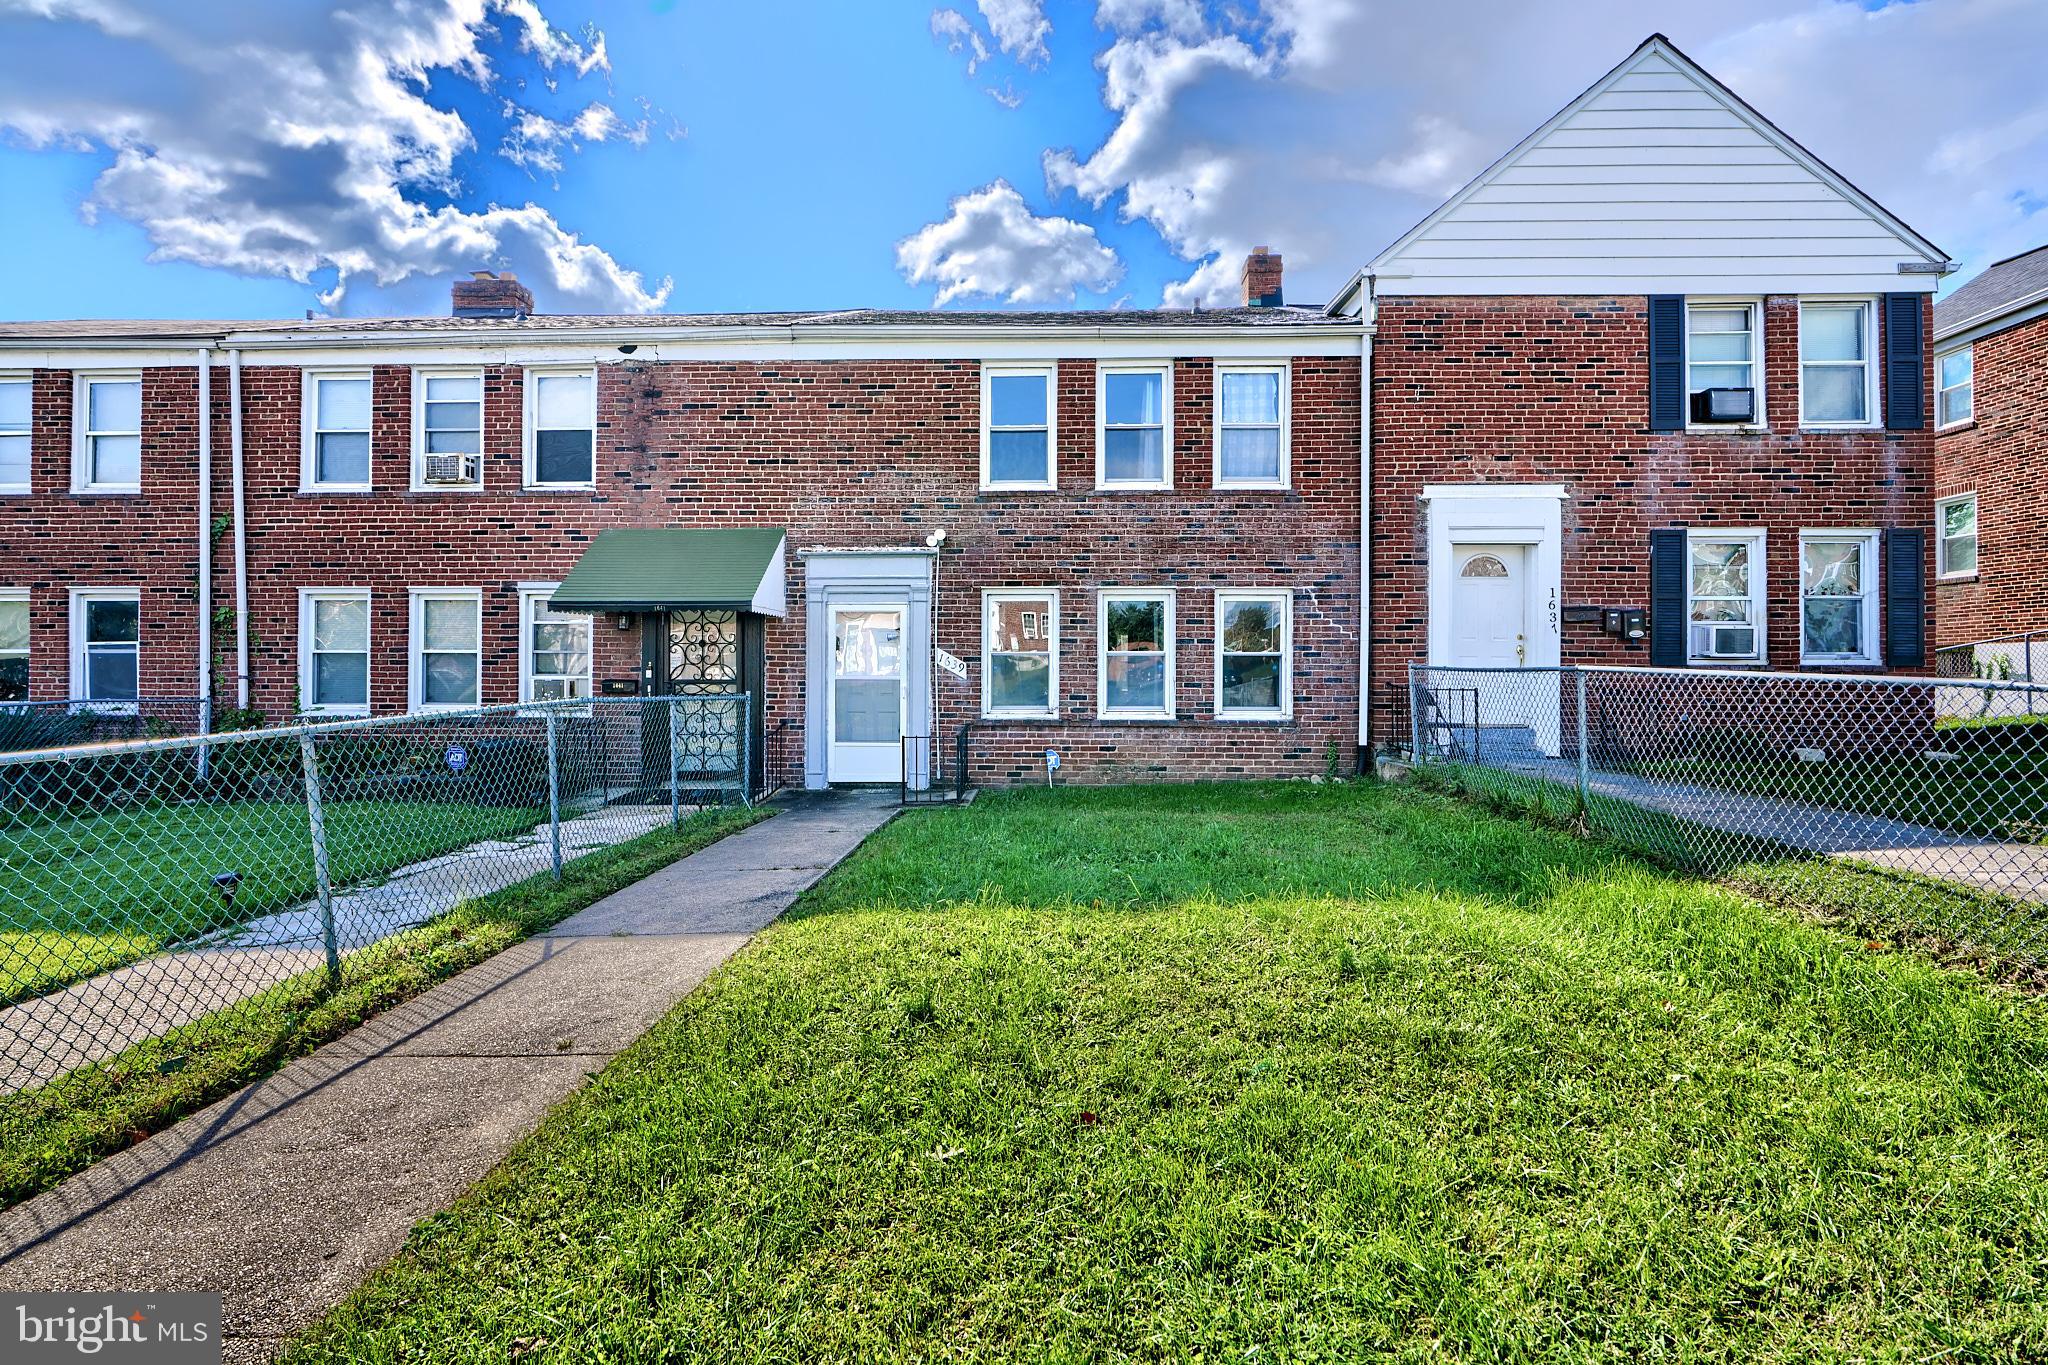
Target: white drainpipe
x: 241, y: 535
x: 205, y: 530
x: 1368, y: 319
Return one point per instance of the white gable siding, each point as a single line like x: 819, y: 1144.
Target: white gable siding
x: 1655, y: 182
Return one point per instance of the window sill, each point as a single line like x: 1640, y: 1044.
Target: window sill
x: 558, y: 487
x: 106, y: 492
x: 17, y: 491
x: 336, y: 491
x: 1150, y: 718
x: 1953, y: 428
x: 1727, y: 429
x: 1023, y: 717
x: 335, y: 713
x: 435, y: 490
x: 1019, y: 488
x: 1737, y: 664
x: 1840, y: 428
x: 1251, y: 487
x: 1264, y: 718
x: 1134, y: 488
x: 1943, y: 580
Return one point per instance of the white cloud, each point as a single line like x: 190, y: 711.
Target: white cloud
x: 959, y: 34
x: 1019, y: 27
x: 991, y: 245
x: 1328, y: 127
x: 535, y: 142
x: 290, y: 140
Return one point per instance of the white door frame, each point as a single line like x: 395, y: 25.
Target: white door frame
x: 834, y: 611
x: 1526, y: 514
x: 887, y: 576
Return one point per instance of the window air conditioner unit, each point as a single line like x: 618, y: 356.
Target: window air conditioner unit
x: 1724, y: 405
x: 452, y: 469
x: 1723, y: 640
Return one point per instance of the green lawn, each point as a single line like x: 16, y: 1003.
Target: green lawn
x: 1267, y: 1072
x: 82, y: 895
x: 2001, y: 795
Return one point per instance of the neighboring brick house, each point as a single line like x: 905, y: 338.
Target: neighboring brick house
x: 414, y: 489
x: 1991, y: 469
x: 1657, y: 358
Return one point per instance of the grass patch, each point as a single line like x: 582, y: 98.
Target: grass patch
x: 80, y: 895
x: 1267, y: 1072
x: 2001, y: 795
x: 49, y: 1133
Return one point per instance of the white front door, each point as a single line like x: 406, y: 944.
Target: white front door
x: 864, y: 712
x: 1489, y: 606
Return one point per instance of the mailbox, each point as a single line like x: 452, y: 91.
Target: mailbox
x: 1635, y: 623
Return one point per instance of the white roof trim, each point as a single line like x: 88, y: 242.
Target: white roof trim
x: 1734, y: 104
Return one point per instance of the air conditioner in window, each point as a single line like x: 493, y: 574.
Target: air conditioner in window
x: 452, y: 469
x: 1724, y: 405
x: 1723, y: 640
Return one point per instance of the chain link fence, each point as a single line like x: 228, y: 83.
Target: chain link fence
x: 66, y: 724
x: 146, y: 883
x: 1939, y: 786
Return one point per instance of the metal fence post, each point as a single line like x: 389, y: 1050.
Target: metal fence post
x: 316, y: 820
x: 675, y: 762
x: 1414, y: 717
x: 1585, y: 757
x: 205, y: 729
x: 746, y: 710
x: 554, y: 797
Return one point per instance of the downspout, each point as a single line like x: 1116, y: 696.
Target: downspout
x: 241, y: 535
x: 1368, y: 319
x: 205, y: 377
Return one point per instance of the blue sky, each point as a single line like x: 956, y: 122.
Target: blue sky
x: 232, y: 160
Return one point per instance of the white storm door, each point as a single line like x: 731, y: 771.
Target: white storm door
x: 865, y: 709
x: 1489, y: 606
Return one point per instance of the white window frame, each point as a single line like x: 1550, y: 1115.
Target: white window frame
x: 1941, y: 391
x: 80, y: 675
x: 307, y: 598
x: 990, y: 371
x: 1941, y: 542
x: 1759, y: 597
x: 27, y: 651
x: 1285, y: 600
x: 82, y: 432
x: 529, y: 425
x: 1103, y: 370
x: 1756, y: 360
x: 1284, y: 473
x: 415, y: 675
x: 1103, y: 598
x: 1049, y: 631
x: 29, y: 433
x: 420, y: 377
x: 1871, y: 597
x: 1872, y: 418
x: 310, y: 429
x: 532, y: 596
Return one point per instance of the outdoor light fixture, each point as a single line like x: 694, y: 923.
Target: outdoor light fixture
x: 625, y: 621
x: 225, y: 883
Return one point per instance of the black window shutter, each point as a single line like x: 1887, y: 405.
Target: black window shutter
x: 1667, y: 362
x: 1905, y: 597
x: 1905, y: 363
x: 1667, y: 598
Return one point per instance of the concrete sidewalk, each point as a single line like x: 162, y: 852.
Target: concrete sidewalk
x: 285, y: 1195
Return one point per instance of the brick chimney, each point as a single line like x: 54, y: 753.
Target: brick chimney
x: 1261, y: 278
x: 487, y: 295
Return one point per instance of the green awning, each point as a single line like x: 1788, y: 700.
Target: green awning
x: 659, y: 568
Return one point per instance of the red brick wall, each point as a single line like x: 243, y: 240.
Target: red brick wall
x: 2001, y: 455
x: 842, y: 454
x: 1555, y: 390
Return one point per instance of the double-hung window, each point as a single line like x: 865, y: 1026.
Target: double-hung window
x: 334, y: 651
x: 13, y: 644
x: 109, y: 441
x: 1837, y: 340
x: 1019, y: 426
x: 1251, y: 426
x: 1955, y: 387
x: 16, y: 405
x: 1838, y: 578
x: 561, y: 426
x: 447, y: 647
x: 1134, y: 654
x: 106, y: 644
x: 1134, y: 426
x: 554, y: 648
x: 1722, y: 342
x: 337, y: 431
x: 1254, y: 677
x: 1020, y: 657
x: 1955, y: 535
x: 1724, y: 596
x: 448, y: 430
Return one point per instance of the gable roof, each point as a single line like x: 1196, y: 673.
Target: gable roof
x: 1658, y: 179
x: 2004, y: 287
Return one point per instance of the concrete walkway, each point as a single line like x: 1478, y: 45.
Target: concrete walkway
x: 286, y: 1195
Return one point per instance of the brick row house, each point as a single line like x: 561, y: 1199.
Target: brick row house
x: 1651, y: 389
x: 1991, y: 469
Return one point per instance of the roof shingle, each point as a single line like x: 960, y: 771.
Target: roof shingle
x: 2007, y: 285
